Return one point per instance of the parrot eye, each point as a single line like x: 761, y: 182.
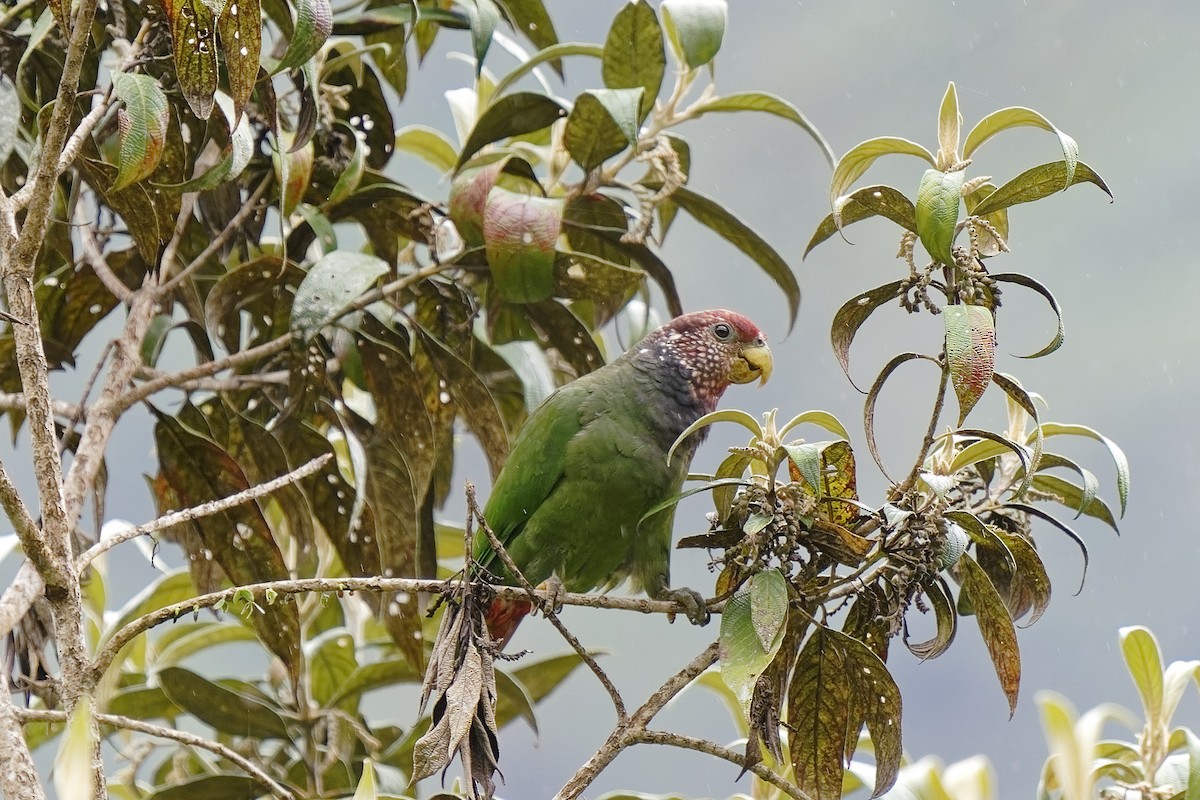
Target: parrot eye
x: 723, y: 331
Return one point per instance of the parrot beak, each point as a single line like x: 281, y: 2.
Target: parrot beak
x: 754, y: 363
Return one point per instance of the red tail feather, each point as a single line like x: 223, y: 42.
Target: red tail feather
x: 504, y: 616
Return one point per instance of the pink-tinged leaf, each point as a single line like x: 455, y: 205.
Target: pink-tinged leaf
x: 468, y: 196
x: 193, y: 43
x: 996, y: 625
x: 970, y: 353
x: 293, y: 168
x: 314, y: 23
x: 520, y: 232
x: 141, y: 127
x: 240, y: 29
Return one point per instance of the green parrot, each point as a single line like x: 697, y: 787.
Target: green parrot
x: 591, y: 461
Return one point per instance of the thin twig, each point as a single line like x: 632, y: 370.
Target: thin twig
x: 190, y: 739
x: 93, y: 254
x: 547, y: 611
x: 248, y: 209
x: 22, y: 521
x: 720, y: 751
x: 200, y: 511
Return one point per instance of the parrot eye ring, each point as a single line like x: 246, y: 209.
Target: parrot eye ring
x: 723, y: 331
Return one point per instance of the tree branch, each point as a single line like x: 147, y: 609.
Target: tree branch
x: 730, y: 755
x: 192, y: 740
x: 18, y: 775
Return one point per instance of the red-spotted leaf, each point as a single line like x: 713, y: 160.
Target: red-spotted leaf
x: 314, y: 23
x: 193, y: 44
x: 695, y: 29
x: 970, y: 353
x: 141, y: 125
x: 511, y: 115
x: 240, y: 29
x: 938, y: 199
x: 519, y: 233
x: 996, y: 626
x: 634, y: 56
x: 603, y: 123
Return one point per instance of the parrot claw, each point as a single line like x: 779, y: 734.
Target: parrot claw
x: 693, y: 604
x: 553, y: 587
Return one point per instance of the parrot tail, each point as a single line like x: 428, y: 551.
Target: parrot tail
x: 503, y: 617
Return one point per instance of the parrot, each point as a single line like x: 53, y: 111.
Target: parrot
x: 570, y: 503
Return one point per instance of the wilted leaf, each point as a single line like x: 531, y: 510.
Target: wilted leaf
x: 970, y: 353
x: 142, y: 127
x: 996, y: 626
x: 938, y: 596
x: 520, y: 232
x: 634, y: 56
x: 938, y: 199
x: 314, y: 23
x: 873, y: 397
x: 602, y: 123
x: 223, y: 709
x: 511, y: 115
x: 331, y: 284
x: 850, y: 317
x: 695, y: 29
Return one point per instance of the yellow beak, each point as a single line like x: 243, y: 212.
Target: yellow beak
x: 754, y: 363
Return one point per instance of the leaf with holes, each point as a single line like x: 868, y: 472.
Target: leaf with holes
x: 314, y: 23
x: 695, y: 29
x: 520, y: 232
x: 193, y: 44
x: 142, y: 127
x: 330, y: 286
x: 970, y: 353
x: 511, y: 115
x: 240, y: 29
x: 633, y: 54
x: 996, y: 626
x: 603, y: 123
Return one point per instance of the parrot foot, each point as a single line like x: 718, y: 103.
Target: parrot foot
x: 693, y: 604
x: 553, y: 587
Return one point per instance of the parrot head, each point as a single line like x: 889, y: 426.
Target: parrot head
x: 719, y: 347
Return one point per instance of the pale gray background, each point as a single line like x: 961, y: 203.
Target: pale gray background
x: 1124, y: 84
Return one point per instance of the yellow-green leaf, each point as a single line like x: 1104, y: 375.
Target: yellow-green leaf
x: 939, y: 197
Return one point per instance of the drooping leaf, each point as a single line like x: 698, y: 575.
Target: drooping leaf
x: 227, y: 711
x: 864, y: 203
x: 851, y: 316
x: 1036, y: 183
x: 634, y: 56
x: 293, y: 169
x: 970, y: 353
x: 695, y: 29
x: 331, y: 660
x: 939, y: 197
x: 1017, y: 116
x: 1030, y: 283
x: 1034, y: 511
x: 873, y: 397
x: 602, y: 123
x: 520, y: 232
x: 314, y: 23
x: 428, y: 144
x: 331, y: 284
x: 768, y: 104
x: 996, y: 626
x: 512, y: 115
x: 1028, y: 590
x: 482, y: 16
x: 1118, y: 456
x: 859, y: 159
x: 553, y: 54
x: 193, y: 44
x: 74, y: 777
x: 938, y: 596
x: 142, y: 126
x: 240, y: 29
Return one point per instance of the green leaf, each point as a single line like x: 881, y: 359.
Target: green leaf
x: 143, y: 702
x: 74, y: 778
x: 1144, y: 661
x: 769, y: 104
x: 225, y: 710
x: 199, y: 636
x: 240, y: 29
x: 293, y: 169
x: 331, y: 661
x: 141, y: 127
x: 717, y: 218
x: 603, y: 123
x: 695, y: 29
x: 520, y: 232
x: 483, y: 16
x: 428, y: 144
x: 375, y: 675
x: 1034, y: 511
x: 193, y: 44
x: 515, y: 700
x: 314, y: 23
x: 996, y: 626
x: 552, y: 53
x: 851, y: 316
x: 634, y: 57
x: 1017, y: 116
x: 807, y: 458
x: 816, y: 417
x: 1030, y: 283
x: 724, y: 415
x: 351, y: 176
x: 864, y: 203
x: 332, y: 283
x: 970, y: 353
x: 172, y: 588
x: 859, y: 159
x: 752, y: 626
x: 511, y: 115
x: 949, y: 128
x: 1036, y: 183
x: 366, y: 789
x: 938, y: 199
x: 1071, y: 495
x: 1118, y: 455
x: 211, y: 787
x: 531, y: 19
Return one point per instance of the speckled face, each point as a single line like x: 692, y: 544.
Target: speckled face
x: 719, y: 347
